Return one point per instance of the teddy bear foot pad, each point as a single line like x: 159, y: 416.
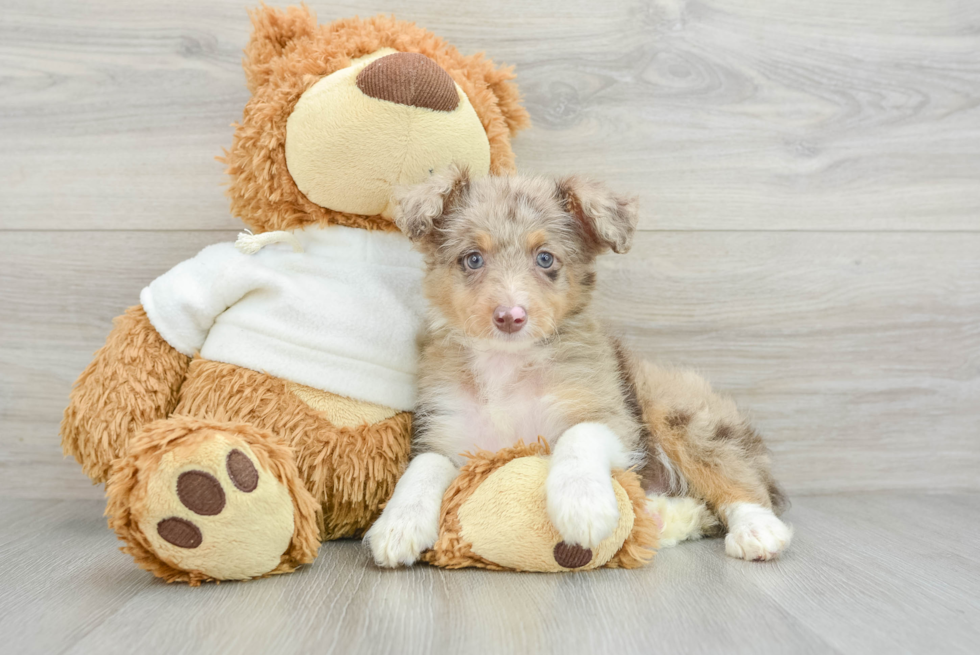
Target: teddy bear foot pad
x: 208, y: 503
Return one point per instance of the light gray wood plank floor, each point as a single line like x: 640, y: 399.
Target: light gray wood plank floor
x: 870, y: 573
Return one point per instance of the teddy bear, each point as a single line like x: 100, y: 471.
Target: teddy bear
x: 258, y: 399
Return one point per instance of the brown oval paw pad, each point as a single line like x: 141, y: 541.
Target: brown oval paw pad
x: 180, y: 532
x: 570, y: 556
x: 201, y: 493
x: 241, y: 471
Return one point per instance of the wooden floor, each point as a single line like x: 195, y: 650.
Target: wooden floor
x: 876, y: 573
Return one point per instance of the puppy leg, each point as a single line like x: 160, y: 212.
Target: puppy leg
x: 739, y: 497
x: 409, y: 523
x: 721, y: 459
x: 581, y: 501
x: 682, y: 518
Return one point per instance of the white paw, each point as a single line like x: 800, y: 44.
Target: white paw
x: 754, y: 533
x: 400, y: 535
x: 581, y: 503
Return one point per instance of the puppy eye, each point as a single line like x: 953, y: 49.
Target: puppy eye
x: 473, y: 260
x: 545, y: 259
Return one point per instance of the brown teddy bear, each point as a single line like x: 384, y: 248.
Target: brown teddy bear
x: 257, y: 400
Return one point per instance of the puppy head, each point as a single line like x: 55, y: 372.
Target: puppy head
x: 510, y: 259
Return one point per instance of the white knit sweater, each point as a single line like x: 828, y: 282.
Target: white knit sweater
x: 341, y: 316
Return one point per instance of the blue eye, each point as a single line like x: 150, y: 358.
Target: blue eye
x: 545, y: 259
x: 474, y: 260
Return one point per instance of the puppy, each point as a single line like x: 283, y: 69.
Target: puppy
x: 512, y: 351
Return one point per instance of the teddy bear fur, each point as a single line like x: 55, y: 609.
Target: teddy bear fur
x: 455, y: 548
x: 141, y: 403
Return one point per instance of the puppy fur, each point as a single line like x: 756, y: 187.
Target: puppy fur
x: 531, y: 244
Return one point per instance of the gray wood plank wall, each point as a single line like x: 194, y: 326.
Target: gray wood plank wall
x: 809, y: 175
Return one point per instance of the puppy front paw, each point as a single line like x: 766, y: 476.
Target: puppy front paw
x: 400, y: 535
x: 581, y: 504
x: 755, y: 533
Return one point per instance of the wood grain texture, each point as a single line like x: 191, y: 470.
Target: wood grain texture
x: 809, y: 176
x: 857, y: 354
x: 864, y: 575
x: 720, y: 114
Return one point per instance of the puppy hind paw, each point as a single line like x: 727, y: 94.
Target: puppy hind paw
x: 681, y: 518
x: 759, y: 537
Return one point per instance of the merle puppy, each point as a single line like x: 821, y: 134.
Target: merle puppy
x: 513, y: 350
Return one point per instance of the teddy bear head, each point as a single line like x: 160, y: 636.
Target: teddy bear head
x: 343, y: 113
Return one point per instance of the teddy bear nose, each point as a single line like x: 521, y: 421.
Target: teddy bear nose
x: 509, y: 319
x: 409, y: 78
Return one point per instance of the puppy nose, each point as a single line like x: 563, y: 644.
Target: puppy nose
x: 409, y: 78
x: 509, y: 319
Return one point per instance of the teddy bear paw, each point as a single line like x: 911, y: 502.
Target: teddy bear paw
x: 214, y: 509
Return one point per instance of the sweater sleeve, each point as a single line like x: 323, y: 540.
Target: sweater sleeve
x: 183, y: 303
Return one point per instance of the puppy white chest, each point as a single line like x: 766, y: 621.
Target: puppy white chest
x: 508, y: 403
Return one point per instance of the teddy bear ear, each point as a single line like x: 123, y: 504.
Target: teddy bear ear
x: 272, y: 32
x: 499, y: 81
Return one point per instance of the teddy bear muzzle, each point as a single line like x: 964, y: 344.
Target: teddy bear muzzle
x: 387, y: 120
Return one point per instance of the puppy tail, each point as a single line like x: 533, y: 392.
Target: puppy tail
x: 683, y: 519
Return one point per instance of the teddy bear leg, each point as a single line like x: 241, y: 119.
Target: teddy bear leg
x: 198, y: 500
x: 133, y: 380
x: 350, y: 453
x: 494, y: 515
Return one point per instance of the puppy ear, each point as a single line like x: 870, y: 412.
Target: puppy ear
x: 605, y: 220
x: 422, y: 207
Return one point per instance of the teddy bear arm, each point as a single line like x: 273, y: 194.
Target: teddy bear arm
x: 133, y: 380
